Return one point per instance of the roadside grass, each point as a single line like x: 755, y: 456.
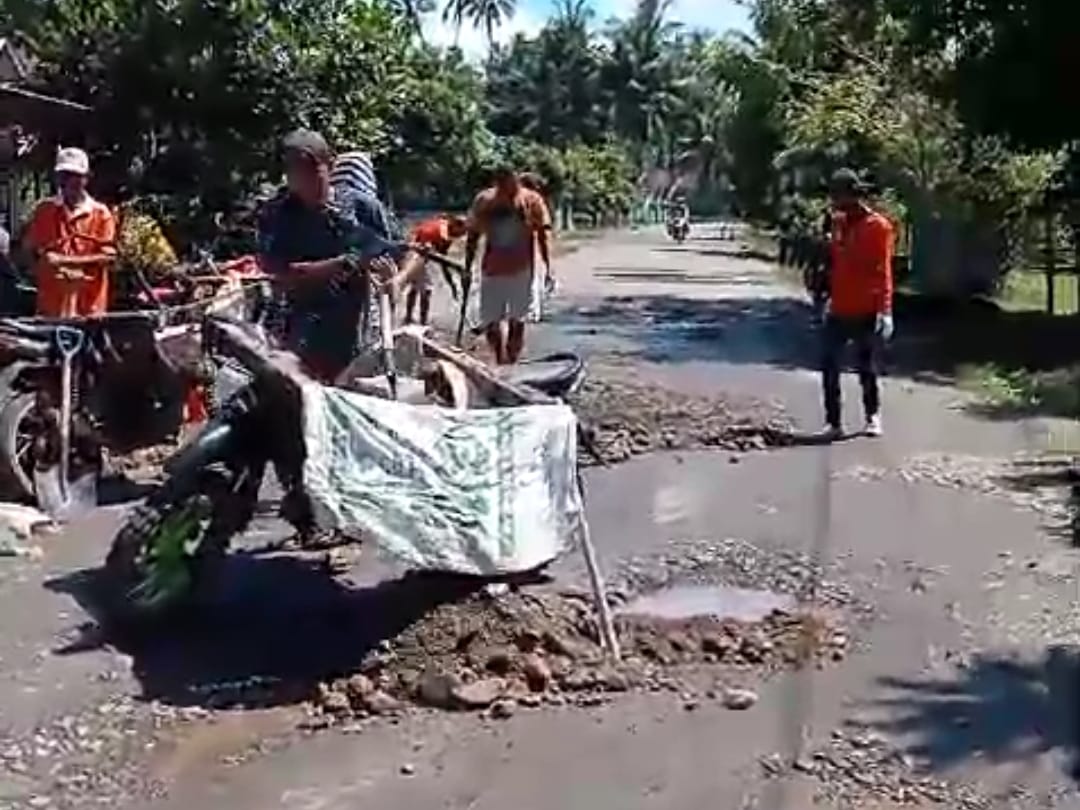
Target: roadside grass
x: 1010, y: 392
x: 1017, y: 359
x: 1025, y: 290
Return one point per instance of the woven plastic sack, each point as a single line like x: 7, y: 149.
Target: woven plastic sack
x: 484, y: 492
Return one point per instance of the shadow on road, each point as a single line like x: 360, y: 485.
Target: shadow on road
x: 998, y: 710
x: 282, y: 626
x: 1061, y: 480
x: 934, y: 339
x: 733, y: 251
x: 670, y: 328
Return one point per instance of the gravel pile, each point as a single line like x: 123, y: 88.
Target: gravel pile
x: 629, y: 418
x: 143, y: 465
x: 92, y: 758
x: 533, y: 648
x: 739, y: 563
x: 1026, y: 483
x: 861, y: 769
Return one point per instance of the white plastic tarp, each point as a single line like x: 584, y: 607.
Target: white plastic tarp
x: 484, y: 492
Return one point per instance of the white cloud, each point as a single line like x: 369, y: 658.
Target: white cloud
x: 473, y: 41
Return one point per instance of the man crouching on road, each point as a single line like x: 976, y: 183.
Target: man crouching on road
x: 514, y: 222
x: 860, y: 302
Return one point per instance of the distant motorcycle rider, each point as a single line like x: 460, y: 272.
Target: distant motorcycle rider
x: 678, y: 224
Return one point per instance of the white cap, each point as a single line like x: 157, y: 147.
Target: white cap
x: 72, y: 161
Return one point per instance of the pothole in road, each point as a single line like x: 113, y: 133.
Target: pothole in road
x: 630, y: 417
x: 714, y: 601
x: 727, y: 613
x: 540, y: 647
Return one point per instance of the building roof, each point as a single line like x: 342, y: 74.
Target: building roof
x: 14, y: 65
x: 32, y: 110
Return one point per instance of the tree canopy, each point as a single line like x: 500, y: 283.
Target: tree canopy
x: 967, y: 103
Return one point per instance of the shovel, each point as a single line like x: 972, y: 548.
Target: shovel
x: 463, y: 308
x: 386, y: 326
x: 57, y: 495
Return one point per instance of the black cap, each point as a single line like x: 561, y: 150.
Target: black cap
x: 308, y: 143
x: 846, y: 181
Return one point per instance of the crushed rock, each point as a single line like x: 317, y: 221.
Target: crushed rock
x: 861, y: 769
x: 537, y: 647
x: 628, y: 417
x: 738, y: 563
x: 90, y: 758
x: 1027, y: 483
x: 143, y: 465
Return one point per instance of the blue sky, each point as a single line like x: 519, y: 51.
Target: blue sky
x: 716, y: 15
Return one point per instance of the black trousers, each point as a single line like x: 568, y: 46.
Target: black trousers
x: 837, y: 334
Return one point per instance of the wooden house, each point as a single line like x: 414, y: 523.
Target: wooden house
x: 27, y: 118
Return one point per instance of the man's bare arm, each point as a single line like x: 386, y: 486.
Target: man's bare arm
x: 543, y: 244
x: 60, y: 260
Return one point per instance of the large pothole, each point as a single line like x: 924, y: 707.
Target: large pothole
x: 627, y: 417
x: 535, y: 647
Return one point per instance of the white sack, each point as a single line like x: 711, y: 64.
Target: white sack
x: 483, y: 492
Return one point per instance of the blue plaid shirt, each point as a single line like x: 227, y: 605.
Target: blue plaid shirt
x: 321, y: 324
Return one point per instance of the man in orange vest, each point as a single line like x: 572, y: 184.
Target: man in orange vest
x: 439, y: 234
x: 515, y: 224
x: 72, y: 239
x: 860, y: 298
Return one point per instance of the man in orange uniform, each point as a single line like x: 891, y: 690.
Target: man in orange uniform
x: 514, y: 222
x: 860, y: 302
x: 72, y: 240
x: 439, y: 234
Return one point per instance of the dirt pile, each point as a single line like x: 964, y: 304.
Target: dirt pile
x: 628, y: 417
x: 531, y: 648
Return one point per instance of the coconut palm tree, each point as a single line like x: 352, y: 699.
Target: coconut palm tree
x: 413, y: 11
x: 643, y: 78
x: 487, y: 15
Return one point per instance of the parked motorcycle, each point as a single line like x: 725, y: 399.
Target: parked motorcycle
x: 169, y: 551
x: 127, y: 392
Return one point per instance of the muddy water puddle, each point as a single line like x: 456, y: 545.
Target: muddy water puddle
x: 709, y: 601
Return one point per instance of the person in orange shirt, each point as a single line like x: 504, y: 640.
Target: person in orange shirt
x: 860, y: 298
x: 514, y: 223
x: 439, y: 234
x: 72, y: 239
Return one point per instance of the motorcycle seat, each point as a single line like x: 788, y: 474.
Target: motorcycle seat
x: 557, y: 375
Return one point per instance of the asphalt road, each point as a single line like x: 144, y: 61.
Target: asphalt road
x: 964, y: 666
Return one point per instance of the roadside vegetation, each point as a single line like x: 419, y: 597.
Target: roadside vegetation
x: 954, y: 110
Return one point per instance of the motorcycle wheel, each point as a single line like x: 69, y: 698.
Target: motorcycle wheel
x: 165, y: 557
x: 18, y: 432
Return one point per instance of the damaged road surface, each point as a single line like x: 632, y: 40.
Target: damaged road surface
x: 795, y: 632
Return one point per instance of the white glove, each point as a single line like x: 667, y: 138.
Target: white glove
x: 884, y: 325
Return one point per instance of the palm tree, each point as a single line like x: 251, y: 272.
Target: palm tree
x: 644, y: 79
x: 548, y: 87
x: 487, y: 15
x: 413, y: 12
